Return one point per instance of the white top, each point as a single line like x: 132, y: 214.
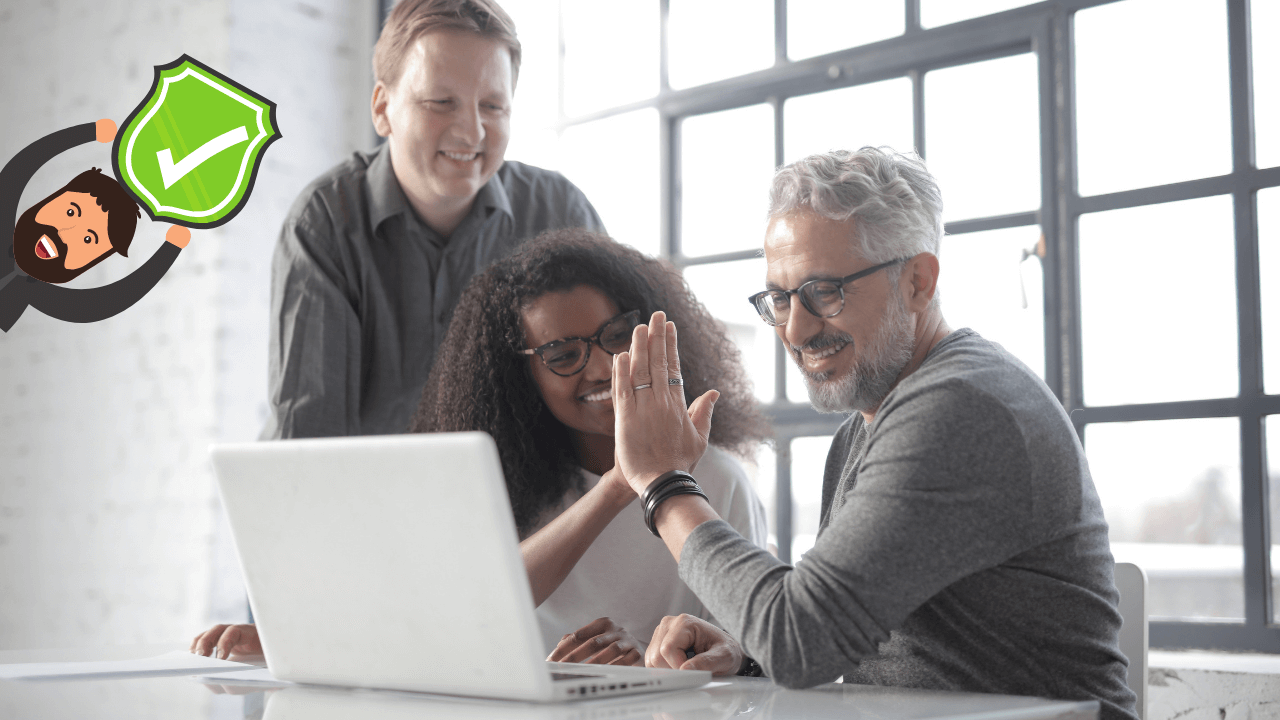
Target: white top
x: 628, y: 575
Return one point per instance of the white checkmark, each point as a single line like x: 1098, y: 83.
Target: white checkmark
x: 172, y: 173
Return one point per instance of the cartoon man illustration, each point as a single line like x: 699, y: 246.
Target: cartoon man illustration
x: 69, y: 232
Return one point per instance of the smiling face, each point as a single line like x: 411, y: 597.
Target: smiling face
x: 81, y: 227
x: 849, y: 361
x: 583, y: 402
x: 447, y: 120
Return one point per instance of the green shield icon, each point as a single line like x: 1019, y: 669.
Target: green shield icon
x: 189, y: 153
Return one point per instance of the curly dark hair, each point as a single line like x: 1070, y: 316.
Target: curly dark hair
x: 479, y: 382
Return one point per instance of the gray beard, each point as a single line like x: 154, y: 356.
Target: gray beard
x: 870, y: 379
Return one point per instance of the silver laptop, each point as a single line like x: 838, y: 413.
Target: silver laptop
x: 393, y: 562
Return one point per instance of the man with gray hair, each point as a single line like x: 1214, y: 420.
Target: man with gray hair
x: 962, y: 545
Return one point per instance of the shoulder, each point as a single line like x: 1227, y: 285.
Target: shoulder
x: 965, y: 369
x: 544, y: 197
x: 334, y: 195
x: 522, y: 177
x: 329, y: 208
x: 970, y: 402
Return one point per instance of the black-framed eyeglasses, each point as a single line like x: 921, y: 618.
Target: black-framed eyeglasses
x: 567, y: 356
x: 823, y: 298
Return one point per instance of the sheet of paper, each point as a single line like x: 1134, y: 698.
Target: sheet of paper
x: 178, y: 662
x: 256, y: 676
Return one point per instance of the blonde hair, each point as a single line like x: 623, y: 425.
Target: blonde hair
x: 411, y: 19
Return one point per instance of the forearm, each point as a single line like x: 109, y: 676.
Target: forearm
x: 678, y: 517
x: 801, y: 624
x: 552, y: 552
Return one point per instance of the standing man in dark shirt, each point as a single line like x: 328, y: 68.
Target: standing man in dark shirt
x: 67, y: 233
x: 375, y: 253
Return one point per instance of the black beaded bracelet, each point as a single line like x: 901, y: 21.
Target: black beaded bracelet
x: 664, y: 488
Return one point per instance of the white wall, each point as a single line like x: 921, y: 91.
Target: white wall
x: 110, y: 530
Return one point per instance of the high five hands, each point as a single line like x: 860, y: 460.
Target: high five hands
x: 654, y: 431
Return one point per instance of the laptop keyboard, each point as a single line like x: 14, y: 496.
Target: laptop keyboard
x: 571, y: 676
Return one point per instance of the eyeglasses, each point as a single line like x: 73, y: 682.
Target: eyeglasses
x: 567, y: 356
x: 822, y: 298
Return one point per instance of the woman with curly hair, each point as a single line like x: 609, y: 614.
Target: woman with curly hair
x: 528, y: 358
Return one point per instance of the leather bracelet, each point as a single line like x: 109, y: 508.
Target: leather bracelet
x: 678, y: 486
x: 673, y: 492
x: 662, y: 481
x: 750, y: 668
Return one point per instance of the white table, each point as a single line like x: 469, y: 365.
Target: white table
x: 181, y: 698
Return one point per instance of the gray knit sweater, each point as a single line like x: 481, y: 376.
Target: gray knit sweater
x: 962, y: 547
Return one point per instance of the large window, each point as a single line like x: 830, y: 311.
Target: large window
x: 1109, y: 170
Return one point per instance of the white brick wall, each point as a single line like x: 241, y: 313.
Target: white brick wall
x: 110, y: 531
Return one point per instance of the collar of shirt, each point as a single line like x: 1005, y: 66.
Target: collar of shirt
x: 387, y: 199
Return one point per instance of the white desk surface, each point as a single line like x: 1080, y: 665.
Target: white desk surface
x: 182, y: 698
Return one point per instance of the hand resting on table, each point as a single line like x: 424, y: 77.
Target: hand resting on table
x: 599, y: 642
x: 220, y: 641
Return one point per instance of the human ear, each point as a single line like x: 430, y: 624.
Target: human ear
x: 921, y: 273
x: 378, y: 109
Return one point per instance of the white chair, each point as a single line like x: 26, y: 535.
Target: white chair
x: 1131, y: 581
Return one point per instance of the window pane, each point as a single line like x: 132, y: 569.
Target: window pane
x: 838, y: 119
x: 723, y: 288
x: 1266, y: 81
x: 808, y: 458
x: 627, y: 201
x: 1272, y: 430
x: 536, y: 106
x: 993, y: 282
x: 1149, y: 81
x: 1158, y: 303
x: 987, y: 162
x: 1175, y: 514
x: 944, y: 12
x: 726, y: 163
x: 817, y: 27
x: 711, y: 41
x: 610, y: 53
x: 1269, y: 272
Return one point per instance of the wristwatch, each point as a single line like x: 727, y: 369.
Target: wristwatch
x: 750, y: 668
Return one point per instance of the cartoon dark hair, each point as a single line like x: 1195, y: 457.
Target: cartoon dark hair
x: 479, y: 382
x: 122, y: 222
x: 122, y: 211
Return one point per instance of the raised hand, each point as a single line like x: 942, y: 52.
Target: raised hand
x: 178, y: 235
x: 654, y: 431
x: 104, y: 130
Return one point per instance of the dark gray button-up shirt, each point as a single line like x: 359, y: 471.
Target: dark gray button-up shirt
x: 362, y: 289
